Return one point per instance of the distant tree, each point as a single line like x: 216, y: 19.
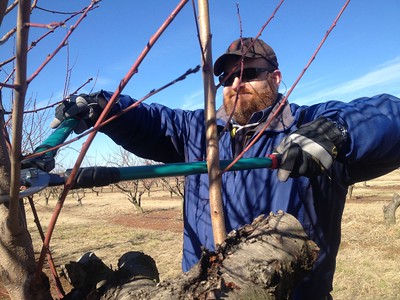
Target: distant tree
x: 389, y: 210
x: 174, y: 185
x: 119, y: 157
x: 148, y: 183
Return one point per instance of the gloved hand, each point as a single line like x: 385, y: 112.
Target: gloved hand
x: 85, y: 108
x: 311, y: 149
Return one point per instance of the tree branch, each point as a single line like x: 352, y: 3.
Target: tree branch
x: 5, y: 165
x: 114, y: 97
x: 63, y: 42
x: 3, y: 7
x: 18, y: 110
x: 214, y: 172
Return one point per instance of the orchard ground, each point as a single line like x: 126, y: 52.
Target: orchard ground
x: 368, y: 264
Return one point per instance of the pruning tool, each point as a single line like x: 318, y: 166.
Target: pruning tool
x: 36, y: 176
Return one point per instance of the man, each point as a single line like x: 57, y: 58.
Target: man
x: 324, y: 148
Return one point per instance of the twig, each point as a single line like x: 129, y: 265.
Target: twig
x: 5, y: 164
x: 11, y: 86
x: 51, y: 25
x: 284, y: 100
x: 62, y: 44
x: 124, y: 111
x: 56, y: 279
x: 56, y: 103
x: 7, y: 36
x: 11, y: 6
x: 241, y: 61
x: 34, y: 43
x: 55, y: 11
x: 74, y: 171
x: 4, y: 11
x: 257, y: 36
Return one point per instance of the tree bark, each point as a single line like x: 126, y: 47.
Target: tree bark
x: 3, y: 7
x: 17, y: 264
x: 17, y: 260
x: 264, y: 260
x: 389, y: 210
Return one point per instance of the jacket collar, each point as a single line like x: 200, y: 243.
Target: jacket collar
x: 279, y: 123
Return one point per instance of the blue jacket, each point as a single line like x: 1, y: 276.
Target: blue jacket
x: 173, y: 135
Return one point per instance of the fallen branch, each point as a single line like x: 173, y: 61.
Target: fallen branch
x: 267, y: 259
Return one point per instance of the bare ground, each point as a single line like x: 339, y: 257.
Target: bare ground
x: 368, y: 265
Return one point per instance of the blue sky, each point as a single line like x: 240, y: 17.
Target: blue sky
x: 360, y: 58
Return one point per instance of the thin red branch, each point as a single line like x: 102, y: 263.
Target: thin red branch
x: 56, y: 11
x: 124, y: 111
x: 284, y: 100
x: 257, y: 36
x: 241, y: 62
x: 12, y: 31
x: 6, y: 85
x: 9, y: 77
x: 34, y: 43
x: 269, y: 20
x: 63, y: 42
x: 48, y: 26
x: 68, y: 185
x: 58, y: 102
x: 240, y: 18
x: 50, y: 260
x: 198, y: 31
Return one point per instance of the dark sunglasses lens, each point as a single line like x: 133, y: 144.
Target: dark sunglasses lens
x: 224, y: 81
x: 249, y: 74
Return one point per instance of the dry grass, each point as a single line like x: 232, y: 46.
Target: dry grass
x: 368, y: 265
x: 96, y: 227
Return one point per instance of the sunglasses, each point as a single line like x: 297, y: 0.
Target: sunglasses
x: 249, y: 74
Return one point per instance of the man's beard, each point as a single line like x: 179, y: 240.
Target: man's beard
x: 245, y: 108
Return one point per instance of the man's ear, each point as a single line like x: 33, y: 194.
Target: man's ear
x: 277, y: 77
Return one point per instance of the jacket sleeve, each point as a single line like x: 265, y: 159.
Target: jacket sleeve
x: 152, y: 131
x: 373, y: 134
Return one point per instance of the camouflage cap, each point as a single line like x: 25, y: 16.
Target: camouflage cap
x: 242, y: 46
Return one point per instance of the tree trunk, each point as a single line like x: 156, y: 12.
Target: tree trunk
x: 389, y: 210
x: 350, y: 191
x: 263, y: 260
x: 3, y: 7
x: 17, y: 260
x: 17, y: 264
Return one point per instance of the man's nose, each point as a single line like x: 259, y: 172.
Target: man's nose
x: 237, y: 84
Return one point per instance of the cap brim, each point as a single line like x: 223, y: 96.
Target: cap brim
x: 219, y: 63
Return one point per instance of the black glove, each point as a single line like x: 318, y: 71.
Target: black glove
x: 311, y: 149
x: 85, y: 108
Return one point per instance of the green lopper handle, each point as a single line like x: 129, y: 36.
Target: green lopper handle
x: 46, y: 161
x: 184, y: 169
x: 103, y: 176
x: 58, y: 136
